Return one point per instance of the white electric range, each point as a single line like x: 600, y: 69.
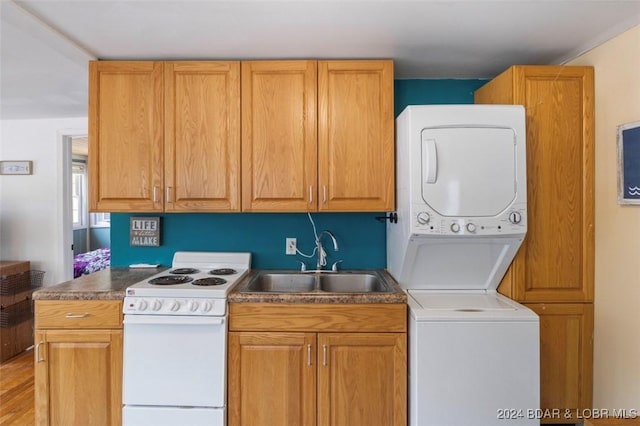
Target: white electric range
x: 175, y: 337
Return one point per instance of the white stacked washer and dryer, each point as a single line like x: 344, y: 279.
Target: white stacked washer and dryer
x: 462, y: 215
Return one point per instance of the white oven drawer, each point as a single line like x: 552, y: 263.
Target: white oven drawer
x: 172, y: 416
x: 174, y: 361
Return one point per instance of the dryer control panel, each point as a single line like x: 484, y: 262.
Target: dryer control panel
x: 426, y: 221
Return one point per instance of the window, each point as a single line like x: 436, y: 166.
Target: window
x: 100, y: 220
x: 79, y: 194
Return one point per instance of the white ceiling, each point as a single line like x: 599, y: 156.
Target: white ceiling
x: 45, y: 45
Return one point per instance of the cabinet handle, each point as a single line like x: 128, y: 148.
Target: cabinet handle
x: 309, y: 355
x: 168, y: 191
x: 324, y: 194
x: 38, y: 359
x: 310, y: 194
x: 324, y: 355
x: 70, y: 315
x: 155, y: 194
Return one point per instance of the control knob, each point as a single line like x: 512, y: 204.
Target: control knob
x: 471, y: 227
x: 455, y: 227
x: 193, y: 305
x: 156, y: 305
x: 175, y: 306
x: 142, y: 305
x: 423, y: 218
x: 515, y: 217
x: 206, y: 306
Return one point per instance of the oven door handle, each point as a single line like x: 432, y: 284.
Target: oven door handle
x: 172, y: 320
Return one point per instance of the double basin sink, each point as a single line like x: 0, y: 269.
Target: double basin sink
x: 316, y: 282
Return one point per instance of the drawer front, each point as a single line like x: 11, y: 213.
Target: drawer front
x: 339, y: 317
x: 78, y: 314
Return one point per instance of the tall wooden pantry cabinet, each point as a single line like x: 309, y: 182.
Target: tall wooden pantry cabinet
x: 553, y: 272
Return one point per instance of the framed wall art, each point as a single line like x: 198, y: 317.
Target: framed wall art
x: 629, y: 163
x: 16, y: 167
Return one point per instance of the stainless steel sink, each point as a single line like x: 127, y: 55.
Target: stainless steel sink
x: 281, y: 283
x: 353, y: 283
x: 316, y: 282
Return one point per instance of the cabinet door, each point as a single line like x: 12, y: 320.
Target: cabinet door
x: 356, y: 136
x: 271, y: 379
x: 556, y: 261
x: 78, y: 377
x: 202, y: 136
x: 279, y: 150
x: 125, y: 136
x: 362, y: 379
x: 566, y: 356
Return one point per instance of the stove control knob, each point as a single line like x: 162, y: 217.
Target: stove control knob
x: 142, y: 305
x: 156, y: 305
x: 471, y: 227
x: 455, y: 227
x: 175, y: 306
x: 423, y: 218
x: 193, y: 305
x: 206, y: 306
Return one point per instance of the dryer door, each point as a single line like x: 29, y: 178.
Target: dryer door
x: 468, y: 171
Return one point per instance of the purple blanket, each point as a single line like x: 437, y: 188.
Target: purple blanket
x: 92, y: 261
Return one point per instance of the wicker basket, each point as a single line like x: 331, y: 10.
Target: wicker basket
x: 18, y: 283
x: 15, y: 314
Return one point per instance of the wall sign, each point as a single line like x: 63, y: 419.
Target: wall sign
x: 144, y: 231
x: 629, y: 163
x: 16, y: 167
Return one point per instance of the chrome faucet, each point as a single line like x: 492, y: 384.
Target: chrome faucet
x: 322, y: 254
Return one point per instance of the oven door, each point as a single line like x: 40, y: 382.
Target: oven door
x: 174, y: 361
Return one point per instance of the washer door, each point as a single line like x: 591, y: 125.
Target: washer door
x: 468, y: 171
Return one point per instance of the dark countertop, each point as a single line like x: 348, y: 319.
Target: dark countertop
x: 108, y: 284
x: 396, y: 296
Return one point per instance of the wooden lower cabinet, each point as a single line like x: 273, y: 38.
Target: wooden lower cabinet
x: 566, y: 358
x: 272, y: 379
x: 78, y: 370
x: 361, y: 379
x: 317, y: 364
x: 324, y: 379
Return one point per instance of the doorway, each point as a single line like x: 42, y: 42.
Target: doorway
x: 91, y: 231
x: 83, y: 235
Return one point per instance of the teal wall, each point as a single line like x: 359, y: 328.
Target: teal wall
x: 361, y: 238
x: 100, y: 238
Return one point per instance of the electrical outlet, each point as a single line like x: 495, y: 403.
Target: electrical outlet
x: 291, y: 245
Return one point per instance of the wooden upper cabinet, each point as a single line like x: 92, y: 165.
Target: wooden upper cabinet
x: 202, y: 136
x: 126, y: 165
x: 300, y: 136
x: 356, y: 136
x: 164, y: 136
x: 556, y: 261
x: 279, y: 150
x: 317, y: 136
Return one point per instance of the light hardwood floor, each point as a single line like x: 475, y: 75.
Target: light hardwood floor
x: 16, y: 391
